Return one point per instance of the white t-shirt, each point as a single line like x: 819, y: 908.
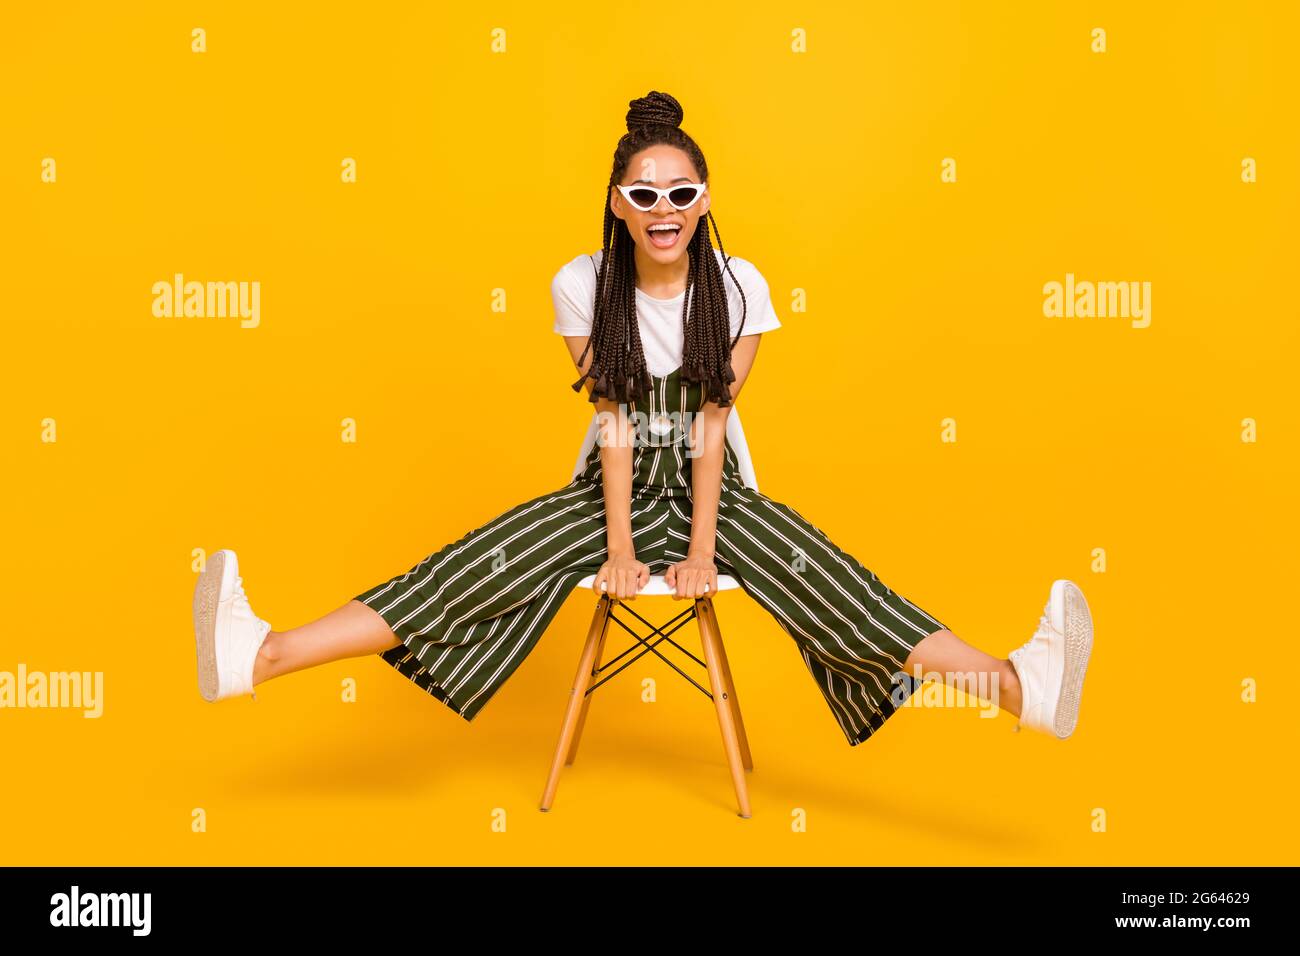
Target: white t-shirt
x: 663, y: 337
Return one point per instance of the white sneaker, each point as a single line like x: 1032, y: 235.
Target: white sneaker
x: 1051, y: 664
x: 227, y: 633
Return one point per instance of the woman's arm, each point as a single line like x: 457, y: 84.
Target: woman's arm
x: 708, y: 436
x: 622, y: 574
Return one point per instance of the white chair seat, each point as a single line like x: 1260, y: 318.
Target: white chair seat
x: 657, y: 585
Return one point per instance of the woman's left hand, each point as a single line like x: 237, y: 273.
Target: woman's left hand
x: 695, y: 577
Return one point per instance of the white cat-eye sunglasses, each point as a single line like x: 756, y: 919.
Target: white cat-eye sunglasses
x: 681, y: 196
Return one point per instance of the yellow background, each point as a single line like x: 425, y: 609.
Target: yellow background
x: 479, y: 171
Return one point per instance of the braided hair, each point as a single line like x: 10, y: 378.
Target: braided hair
x: 618, y: 363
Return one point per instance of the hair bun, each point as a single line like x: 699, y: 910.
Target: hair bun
x: 654, y: 109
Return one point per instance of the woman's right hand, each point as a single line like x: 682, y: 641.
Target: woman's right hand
x: 622, y: 576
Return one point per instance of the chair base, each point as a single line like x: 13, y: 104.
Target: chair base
x: 721, y: 689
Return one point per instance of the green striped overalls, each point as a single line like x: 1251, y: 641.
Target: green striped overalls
x: 469, y: 613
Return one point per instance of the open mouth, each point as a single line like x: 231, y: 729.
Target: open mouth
x: 664, y: 235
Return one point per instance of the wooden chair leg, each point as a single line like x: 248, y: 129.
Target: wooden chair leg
x: 747, y: 758
x: 711, y: 640
x: 586, y: 698
x: 577, y: 696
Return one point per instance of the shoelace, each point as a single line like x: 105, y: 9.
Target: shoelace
x: 242, y: 598
x: 1044, y: 627
x: 1045, y: 620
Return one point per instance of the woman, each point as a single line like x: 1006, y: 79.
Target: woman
x: 656, y: 323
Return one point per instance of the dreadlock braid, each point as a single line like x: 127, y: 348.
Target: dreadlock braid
x: 618, y: 363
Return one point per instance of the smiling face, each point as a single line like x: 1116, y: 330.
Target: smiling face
x: 652, y: 230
